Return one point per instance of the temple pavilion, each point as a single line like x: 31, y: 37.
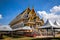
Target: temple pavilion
x: 27, y: 18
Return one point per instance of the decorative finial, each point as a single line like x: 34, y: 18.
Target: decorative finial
x: 28, y: 6
x: 32, y: 7
x: 42, y: 17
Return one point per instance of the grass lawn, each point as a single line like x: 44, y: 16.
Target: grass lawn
x: 27, y: 38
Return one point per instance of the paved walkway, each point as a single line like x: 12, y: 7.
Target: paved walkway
x: 43, y: 36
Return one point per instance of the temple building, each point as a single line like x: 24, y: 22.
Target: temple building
x: 27, y: 18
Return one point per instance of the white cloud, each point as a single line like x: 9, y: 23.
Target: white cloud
x: 0, y: 16
x: 53, y: 15
x: 55, y: 9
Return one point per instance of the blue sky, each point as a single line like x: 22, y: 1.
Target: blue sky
x: 9, y: 9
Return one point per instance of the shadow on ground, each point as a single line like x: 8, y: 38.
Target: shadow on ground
x: 14, y: 36
x: 46, y: 39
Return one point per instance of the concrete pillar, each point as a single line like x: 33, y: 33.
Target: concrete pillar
x: 47, y: 32
x: 1, y: 36
x: 54, y: 33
